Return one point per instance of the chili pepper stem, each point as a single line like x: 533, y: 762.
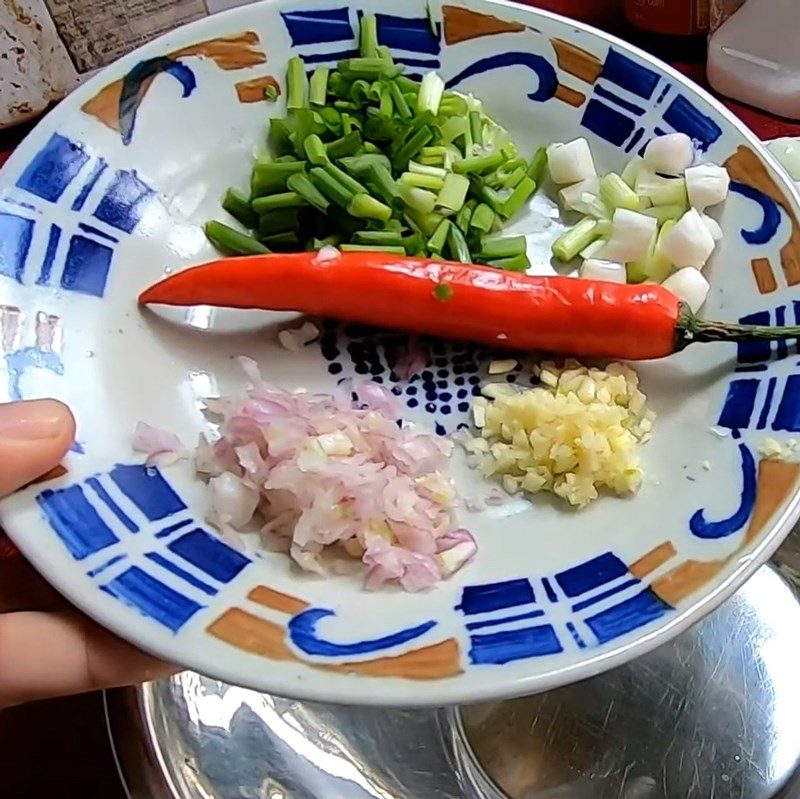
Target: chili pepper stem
x: 691, y: 329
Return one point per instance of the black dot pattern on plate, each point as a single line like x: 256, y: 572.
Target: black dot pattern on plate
x: 443, y: 389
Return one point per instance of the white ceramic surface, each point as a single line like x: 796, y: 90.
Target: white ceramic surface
x: 106, y: 196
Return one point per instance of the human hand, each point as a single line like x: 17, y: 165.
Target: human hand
x: 47, y: 648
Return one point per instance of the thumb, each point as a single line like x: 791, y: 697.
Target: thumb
x: 34, y: 436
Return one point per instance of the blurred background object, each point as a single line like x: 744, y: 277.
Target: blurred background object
x: 753, y: 54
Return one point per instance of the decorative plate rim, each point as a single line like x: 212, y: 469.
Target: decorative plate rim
x: 500, y: 684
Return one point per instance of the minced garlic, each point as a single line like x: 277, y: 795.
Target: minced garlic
x: 577, y: 432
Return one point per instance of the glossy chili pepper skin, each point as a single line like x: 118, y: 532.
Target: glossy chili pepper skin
x: 439, y: 298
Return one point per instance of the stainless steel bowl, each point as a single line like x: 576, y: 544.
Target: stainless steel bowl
x: 715, y: 713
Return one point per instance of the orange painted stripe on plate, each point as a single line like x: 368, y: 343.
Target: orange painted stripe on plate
x: 433, y: 662
x: 276, y: 600
x: 570, y: 96
x: 252, y: 91
x: 765, y: 277
x: 463, y: 24
x: 252, y: 634
x: 776, y: 480
x: 577, y: 61
x: 650, y: 561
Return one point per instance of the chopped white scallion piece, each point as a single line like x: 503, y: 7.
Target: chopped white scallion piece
x: 787, y: 151
x: 571, y: 162
x: 632, y: 169
x: 713, y: 226
x: 706, y: 184
x: 294, y: 339
x: 660, y: 190
x: 670, y: 154
x: 592, y: 249
x: 689, y: 242
x: 630, y: 236
x: 431, y: 89
x: 570, y: 196
x: 595, y: 269
x: 503, y: 366
x: 689, y: 285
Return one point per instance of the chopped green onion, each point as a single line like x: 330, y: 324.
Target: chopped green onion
x: 452, y: 105
x: 315, y: 150
x: 301, y: 185
x: 482, y: 218
x: 426, y: 224
x: 419, y: 200
x: 288, y: 238
x: 271, y: 92
x: 537, y: 165
x: 318, y: 86
x: 519, y: 196
x: 395, y: 250
x: 431, y: 89
x: 368, y: 68
x: 464, y: 216
x: 390, y: 238
x: 412, y: 147
x: 459, y: 251
x: 365, y: 207
x: 399, y: 100
x: 516, y: 263
x: 407, y: 85
x: 343, y: 147
x: 350, y: 183
x: 267, y: 178
x: 360, y: 164
x: 476, y: 127
x: 386, y: 107
x: 490, y: 196
x: 422, y: 169
x: 278, y: 222
x: 452, y: 128
x: 232, y: 241
x: 297, y: 84
x: 615, y: 193
x: 572, y: 241
x: 453, y: 193
x: 438, y: 240
x: 381, y: 182
x: 275, y: 202
x: 279, y: 137
x: 437, y: 150
x: 502, y: 247
x: 422, y: 181
x: 237, y: 204
x: 331, y: 187
x: 368, y: 38
x: 479, y: 164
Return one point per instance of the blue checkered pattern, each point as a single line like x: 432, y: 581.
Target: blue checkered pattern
x: 135, y: 537
x: 102, y: 205
x: 766, y: 391
x: 585, y: 606
x: 325, y: 36
x: 631, y: 103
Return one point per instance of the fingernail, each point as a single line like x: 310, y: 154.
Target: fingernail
x: 35, y: 420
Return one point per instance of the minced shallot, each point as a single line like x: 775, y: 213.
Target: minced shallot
x: 326, y: 477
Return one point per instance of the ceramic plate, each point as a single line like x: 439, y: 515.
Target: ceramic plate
x: 109, y: 193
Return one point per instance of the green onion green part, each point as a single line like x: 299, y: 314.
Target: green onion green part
x: 231, y: 241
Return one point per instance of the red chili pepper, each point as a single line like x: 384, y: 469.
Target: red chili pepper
x: 504, y: 310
